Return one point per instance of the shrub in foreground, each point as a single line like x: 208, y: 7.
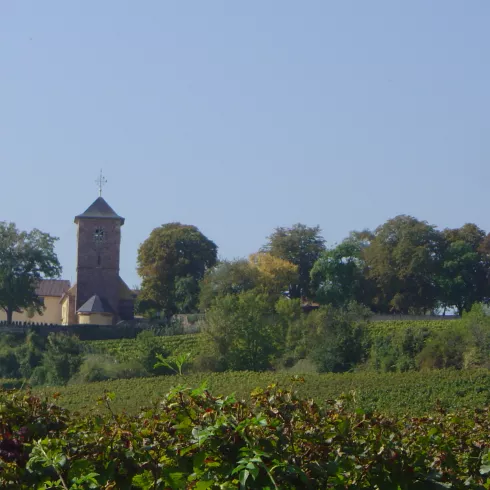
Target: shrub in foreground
x: 193, y: 440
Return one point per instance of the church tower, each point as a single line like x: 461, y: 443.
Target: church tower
x: 99, y: 295
x: 98, y: 250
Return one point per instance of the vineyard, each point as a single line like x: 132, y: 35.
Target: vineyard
x: 414, y: 393
x: 127, y: 349
x: 393, y: 327
x: 192, y: 439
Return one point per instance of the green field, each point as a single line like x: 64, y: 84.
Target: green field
x: 413, y: 393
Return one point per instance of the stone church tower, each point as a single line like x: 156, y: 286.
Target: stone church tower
x: 99, y: 296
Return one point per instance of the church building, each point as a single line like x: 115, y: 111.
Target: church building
x: 99, y: 295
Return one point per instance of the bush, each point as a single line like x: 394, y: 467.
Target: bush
x: 340, y: 338
x: 9, y: 365
x: 62, y: 359
x: 102, y: 368
x: 444, y: 350
x: 30, y: 354
x: 397, y: 351
x: 147, y: 353
x: 39, y: 376
x: 242, y: 331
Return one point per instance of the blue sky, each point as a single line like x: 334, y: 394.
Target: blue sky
x: 238, y: 117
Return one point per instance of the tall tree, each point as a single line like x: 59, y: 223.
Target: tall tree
x: 270, y: 275
x: 404, y: 259
x: 25, y: 259
x: 338, y: 275
x: 465, y: 267
x: 171, y: 262
x: 227, y: 277
x: 274, y: 274
x: 301, y: 245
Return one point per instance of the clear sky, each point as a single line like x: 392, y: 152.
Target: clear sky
x: 238, y: 117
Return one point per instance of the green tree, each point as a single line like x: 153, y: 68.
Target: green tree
x: 242, y: 331
x: 404, y: 260
x: 171, y: 262
x: 25, y: 258
x: 227, y: 277
x: 62, y: 358
x: 300, y: 245
x: 339, y: 337
x: 338, y: 276
x: 465, y: 268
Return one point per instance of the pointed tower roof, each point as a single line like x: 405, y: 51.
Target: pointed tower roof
x: 95, y: 305
x: 99, y: 209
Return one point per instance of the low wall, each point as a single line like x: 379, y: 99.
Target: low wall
x: 380, y: 318
x: 92, y: 332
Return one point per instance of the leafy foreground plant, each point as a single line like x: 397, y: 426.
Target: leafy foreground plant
x: 193, y: 440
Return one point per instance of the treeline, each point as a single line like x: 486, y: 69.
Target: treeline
x: 404, y: 266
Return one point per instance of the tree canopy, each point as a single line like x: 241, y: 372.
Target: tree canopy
x: 463, y: 278
x: 300, y: 245
x: 262, y: 271
x: 403, y: 259
x: 171, y: 262
x: 338, y: 274
x: 227, y: 277
x: 25, y: 259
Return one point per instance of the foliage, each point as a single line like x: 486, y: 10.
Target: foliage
x: 338, y: 275
x: 130, y: 350
x: 263, y: 272
x: 403, y: 259
x: 398, y: 350
x: 393, y: 393
x: 176, y: 364
x: 463, y: 277
x: 339, y: 337
x: 25, y: 258
x: 9, y: 364
x: 275, y: 275
x: 171, y: 262
x: 62, y: 358
x: 242, y: 331
x: 227, y: 277
x: 444, y: 350
x: 300, y: 245
x: 192, y: 439
x: 96, y: 367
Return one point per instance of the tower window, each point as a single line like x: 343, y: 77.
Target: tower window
x: 98, y: 260
x: 99, y: 235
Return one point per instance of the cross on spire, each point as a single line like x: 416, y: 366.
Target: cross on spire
x: 101, y: 182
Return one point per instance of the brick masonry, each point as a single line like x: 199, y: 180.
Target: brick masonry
x: 98, y: 261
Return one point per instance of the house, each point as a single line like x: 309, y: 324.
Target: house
x: 50, y: 291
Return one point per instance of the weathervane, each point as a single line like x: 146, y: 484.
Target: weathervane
x: 101, y: 182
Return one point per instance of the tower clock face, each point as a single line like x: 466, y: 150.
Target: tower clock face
x: 99, y: 235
